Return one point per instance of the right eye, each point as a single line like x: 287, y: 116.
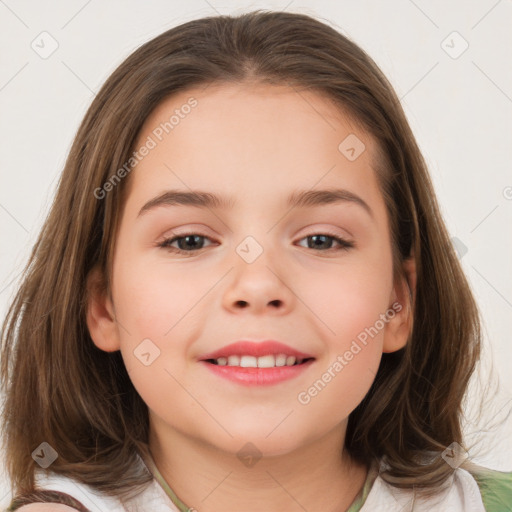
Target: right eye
x: 186, y: 243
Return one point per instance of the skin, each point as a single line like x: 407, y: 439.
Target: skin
x: 257, y: 143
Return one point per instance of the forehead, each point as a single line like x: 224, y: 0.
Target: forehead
x: 250, y: 138
x: 223, y: 108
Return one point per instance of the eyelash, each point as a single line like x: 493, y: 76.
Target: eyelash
x: 344, y: 245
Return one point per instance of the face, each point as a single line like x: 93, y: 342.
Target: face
x: 190, y: 279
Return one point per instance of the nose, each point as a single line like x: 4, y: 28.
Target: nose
x: 259, y: 287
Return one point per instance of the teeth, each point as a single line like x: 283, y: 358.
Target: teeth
x: 266, y: 362
x: 233, y: 361
x: 248, y: 362
x: 280, y: 360
x: 269, y: 361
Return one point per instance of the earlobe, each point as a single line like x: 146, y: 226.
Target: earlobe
x: 400, y: 325
x: 100, y: 314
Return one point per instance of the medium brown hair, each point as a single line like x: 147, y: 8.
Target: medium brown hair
x: 63, y: 390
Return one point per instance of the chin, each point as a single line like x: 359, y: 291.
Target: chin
x: 264, y: 440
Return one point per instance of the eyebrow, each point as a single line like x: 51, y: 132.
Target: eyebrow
x: 298, y: 199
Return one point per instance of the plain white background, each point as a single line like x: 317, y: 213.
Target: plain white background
x: 457, y: 99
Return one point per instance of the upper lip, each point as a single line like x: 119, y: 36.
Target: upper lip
x: 256, y: 349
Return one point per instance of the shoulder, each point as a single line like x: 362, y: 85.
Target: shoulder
x: 57, y: 493
x: 495, y: 487
x: 46, y: 500
x: 469, y: 489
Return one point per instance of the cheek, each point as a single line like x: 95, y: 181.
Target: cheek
x: 352, y: 309
x: 151, y: 307
x: 151, y: 299
x: 349, y: 297
x: 158, y: 308
x: 351, y: 303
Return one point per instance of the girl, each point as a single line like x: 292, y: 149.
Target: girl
x: 310, y: 352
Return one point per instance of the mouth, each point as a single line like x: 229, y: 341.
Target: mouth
x: 255, y: 364
x: 266, y: 361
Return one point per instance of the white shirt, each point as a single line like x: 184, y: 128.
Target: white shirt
x: 462, y: 495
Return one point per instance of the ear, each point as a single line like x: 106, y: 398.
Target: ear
x: 101, y: 319
x: 399, y: 327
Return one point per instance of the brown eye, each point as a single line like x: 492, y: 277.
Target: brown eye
x: 188, y: 242
x: 324, y: 242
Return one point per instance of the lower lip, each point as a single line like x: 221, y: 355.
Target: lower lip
x: 258, y: 376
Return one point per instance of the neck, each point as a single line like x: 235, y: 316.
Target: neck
x: 317, y: 477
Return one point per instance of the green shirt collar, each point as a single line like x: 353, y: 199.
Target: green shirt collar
x: 354, y: 507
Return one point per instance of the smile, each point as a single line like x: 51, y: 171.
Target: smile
x: 257, y: 363
x: 268, y: 361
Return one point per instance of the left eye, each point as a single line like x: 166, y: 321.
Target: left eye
x: 193, y: 242
x: 320, y: 241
